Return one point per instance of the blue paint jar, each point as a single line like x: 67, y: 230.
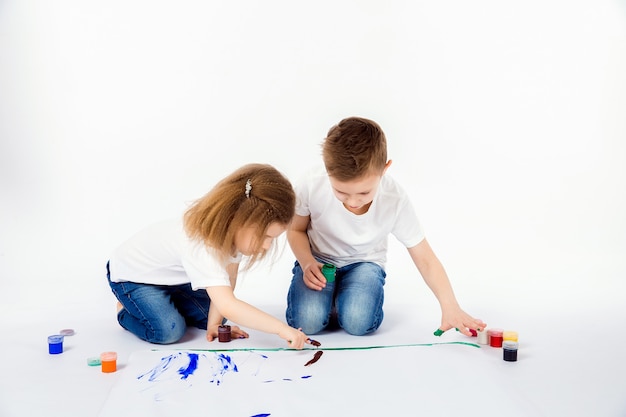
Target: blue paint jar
x: 55, y: 344
x: 509, y: 351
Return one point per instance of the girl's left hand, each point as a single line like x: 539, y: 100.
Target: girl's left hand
x: 235, y: 333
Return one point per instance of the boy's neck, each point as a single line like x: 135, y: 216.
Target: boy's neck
x: 360, y: 210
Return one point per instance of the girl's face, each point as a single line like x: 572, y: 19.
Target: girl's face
x: 245, y: 239
x: 356, y: 195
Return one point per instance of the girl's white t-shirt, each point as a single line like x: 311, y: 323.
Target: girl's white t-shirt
x: 341, y: 237
x: 163, y: 254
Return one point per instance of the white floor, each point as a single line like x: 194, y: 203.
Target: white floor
x: 570, y: 359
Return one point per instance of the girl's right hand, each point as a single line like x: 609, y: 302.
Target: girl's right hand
x: 294, y: 337
x: 313, y: 277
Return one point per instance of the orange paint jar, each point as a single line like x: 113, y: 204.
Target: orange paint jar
x: 109, y: 362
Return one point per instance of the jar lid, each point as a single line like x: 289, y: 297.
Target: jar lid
x: 495, y: 332
x: 509, y: 345
x: 108, y: 356
x: 55, y: 338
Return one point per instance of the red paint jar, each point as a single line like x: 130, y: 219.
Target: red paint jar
x: 495, y: 337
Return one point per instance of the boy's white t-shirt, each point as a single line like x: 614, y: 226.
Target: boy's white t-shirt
x: 341, y: 237
x: 163, y: 254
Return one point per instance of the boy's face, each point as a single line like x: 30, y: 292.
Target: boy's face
x: 356, y: 195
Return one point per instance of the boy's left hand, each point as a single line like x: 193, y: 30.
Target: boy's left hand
x: 235, y: 333
x: 457, y: 318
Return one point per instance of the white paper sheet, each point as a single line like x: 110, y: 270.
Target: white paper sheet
x: 369, y: 382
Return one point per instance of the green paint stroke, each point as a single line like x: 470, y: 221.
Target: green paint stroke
x: 333, y: 348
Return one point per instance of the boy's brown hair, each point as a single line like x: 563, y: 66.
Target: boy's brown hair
x: 254, y: 195
x: 353, y: 148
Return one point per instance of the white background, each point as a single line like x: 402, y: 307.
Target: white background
x: 505, y: 123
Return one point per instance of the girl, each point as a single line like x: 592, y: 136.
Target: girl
x: 183, y: 272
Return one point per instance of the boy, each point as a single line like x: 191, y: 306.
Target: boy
x: 343, y: 217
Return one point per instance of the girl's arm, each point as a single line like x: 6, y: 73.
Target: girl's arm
x: 437, y: 280
x: 215, y: 318
x: 301, y: 248
x: 246, y: 315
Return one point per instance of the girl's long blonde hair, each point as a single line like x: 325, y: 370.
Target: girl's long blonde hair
x: 255, y: 195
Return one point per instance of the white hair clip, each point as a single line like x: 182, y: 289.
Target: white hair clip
x: 248, y: 188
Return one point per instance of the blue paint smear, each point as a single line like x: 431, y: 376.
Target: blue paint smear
x: 191, y: 368
x: 227, y: 362
x: 163, y: 366
x: 306, y: 376
x: 261, y: 415
x: 190, y: 364
x: 227, y: 365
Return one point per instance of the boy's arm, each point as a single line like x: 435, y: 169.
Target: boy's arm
x: 437, y: 280
x: 301, y: 247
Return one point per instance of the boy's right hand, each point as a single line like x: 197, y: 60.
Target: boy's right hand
x: 295, y: 337
x: 313, y: 277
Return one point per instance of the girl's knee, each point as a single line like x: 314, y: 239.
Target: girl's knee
x: 167, y: 333
x: 160, y: 330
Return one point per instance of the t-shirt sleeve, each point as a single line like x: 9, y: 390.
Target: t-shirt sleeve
x: 302, y: 189
x: 203, y: 268
x: 408, y: 229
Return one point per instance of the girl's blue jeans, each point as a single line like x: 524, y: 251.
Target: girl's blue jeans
x: 160, y: 313
x: 356, y: 297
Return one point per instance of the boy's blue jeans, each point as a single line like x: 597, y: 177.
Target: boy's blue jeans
x: 160, y: 313
x: 357, y: 296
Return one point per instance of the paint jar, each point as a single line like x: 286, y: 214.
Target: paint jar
x: 55, y: 344
x: 329, y: 272
x: 495, y: 337
x: 509, y: 351
x: 109, y: 362
x: 223, y: 333
x: 509, y: 335
x: 483, y: 337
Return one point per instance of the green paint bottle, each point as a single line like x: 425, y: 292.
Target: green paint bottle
x: 329, y: 272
